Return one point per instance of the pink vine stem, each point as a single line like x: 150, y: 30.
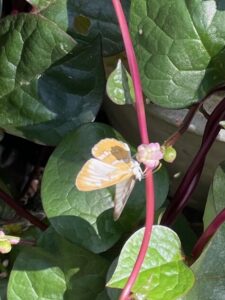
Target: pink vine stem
x: 140, y: 109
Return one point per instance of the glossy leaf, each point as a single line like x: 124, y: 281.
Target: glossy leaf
x: 56, y: 269
x: 41, y: 103
x: 73, y: 89
x: 83, y: 218
x: 209, y: 270
x: 69, y: 209
x: 86, y: 20
x: 163, y: 275
x: 56, y: 11
x: 119, y: 86
x: 24, y: 62
x: 215, y: 201
x: 180, y: 48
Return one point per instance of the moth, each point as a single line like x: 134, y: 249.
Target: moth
x: 112, y: 164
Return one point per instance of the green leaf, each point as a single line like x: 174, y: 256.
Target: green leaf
x: 215, y: 201
x: 37, y: 43
x: 103, y: 296
x: 163, y: 274
x: 102, y: 19
x: 41, y: 103
x: 58, y: 270
x: 56, y: 11
x: 3, y: 288
x: 84, y: 218
x: 41, y: 4
x: 209, y: 270
x: 186, y: 235
x: 119, y: 86
x: 180, y: 48
x: 29, y: 45
x: 86, y: 20
x: 73, y: 90
x: 69, y: 209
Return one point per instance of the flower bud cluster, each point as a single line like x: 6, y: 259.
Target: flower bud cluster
x: 151, y: 154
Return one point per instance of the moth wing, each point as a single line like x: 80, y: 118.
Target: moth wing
x: 123, y: 191
x: 96, y: 174
x: 113, y: 152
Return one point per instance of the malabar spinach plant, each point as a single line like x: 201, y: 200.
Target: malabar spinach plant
x: 58, y: 242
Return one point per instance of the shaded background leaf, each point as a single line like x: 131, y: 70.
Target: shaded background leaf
x: 209, y: 270
x: 215, y: 201
x: 58, y: 270
x: 86, y: 20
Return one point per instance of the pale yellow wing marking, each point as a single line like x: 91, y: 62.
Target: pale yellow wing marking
x: 96, y: 174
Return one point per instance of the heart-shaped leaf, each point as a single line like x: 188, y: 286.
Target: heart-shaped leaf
x: 215, y: 201
x: 209, y: 270
x: 86, y: 20
x: 163, y: 275
x: 119, y: 86
x: 69, y: 209
x: 58, y: 270
x: 83, y: 218
x: 180, y: 48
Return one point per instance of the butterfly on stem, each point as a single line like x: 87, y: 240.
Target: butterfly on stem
x: 112, y: 165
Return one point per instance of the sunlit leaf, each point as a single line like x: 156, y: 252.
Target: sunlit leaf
x: 180, y: 48
x: 120, y: 86
x: 163, y: 275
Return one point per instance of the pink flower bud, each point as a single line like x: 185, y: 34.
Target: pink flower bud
x: 149, y: 155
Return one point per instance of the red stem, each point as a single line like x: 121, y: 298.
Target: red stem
x: 207, y: 234
x: 140, y: 109
x: 22, y: 212
x: 193, y: 173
